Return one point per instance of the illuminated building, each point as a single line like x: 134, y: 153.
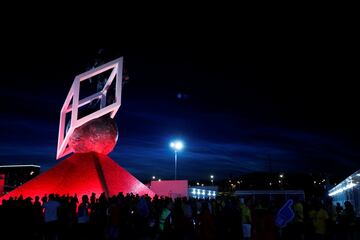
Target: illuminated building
x: 13, y: 176
x: 348, y: 190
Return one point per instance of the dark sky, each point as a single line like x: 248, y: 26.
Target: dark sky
x: 291, y: 102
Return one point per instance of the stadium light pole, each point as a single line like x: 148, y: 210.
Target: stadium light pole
x: 176, y: 146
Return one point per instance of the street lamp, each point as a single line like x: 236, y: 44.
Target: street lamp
x: 176, y: 146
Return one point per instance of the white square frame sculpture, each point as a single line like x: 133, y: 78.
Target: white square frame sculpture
x: 74, y: 94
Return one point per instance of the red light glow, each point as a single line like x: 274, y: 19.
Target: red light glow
x: 83, y: 173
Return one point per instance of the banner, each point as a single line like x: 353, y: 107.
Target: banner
x: 2, y: 184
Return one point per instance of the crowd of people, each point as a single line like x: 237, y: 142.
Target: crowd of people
x: 134, y: 217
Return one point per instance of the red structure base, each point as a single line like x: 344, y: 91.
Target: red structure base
x: 83, y: 173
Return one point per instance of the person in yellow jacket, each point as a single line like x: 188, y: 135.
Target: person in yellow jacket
x: 319, y: 218
x: 246, y: 219
x: 166, y: 222
x: 298, y: 220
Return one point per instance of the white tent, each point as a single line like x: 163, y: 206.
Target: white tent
x: 348, y: 190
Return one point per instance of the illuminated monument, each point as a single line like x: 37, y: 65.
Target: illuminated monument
x: 89, y: 134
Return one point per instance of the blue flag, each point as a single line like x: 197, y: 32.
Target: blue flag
x: 285, y: 214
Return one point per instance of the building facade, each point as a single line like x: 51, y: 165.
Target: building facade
x: 348, y: 190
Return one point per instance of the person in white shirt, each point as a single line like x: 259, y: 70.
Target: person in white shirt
x: 51, y: 217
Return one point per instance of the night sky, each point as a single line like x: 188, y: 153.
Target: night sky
x: 239, y: 107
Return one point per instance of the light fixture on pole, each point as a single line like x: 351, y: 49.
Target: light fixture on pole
x: 176, y: 146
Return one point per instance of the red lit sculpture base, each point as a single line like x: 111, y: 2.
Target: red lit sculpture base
x: 82, y: 173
